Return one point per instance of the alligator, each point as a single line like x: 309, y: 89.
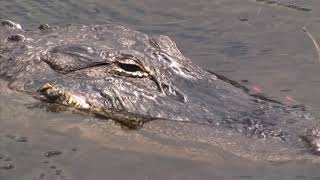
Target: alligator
x: 132, y: 78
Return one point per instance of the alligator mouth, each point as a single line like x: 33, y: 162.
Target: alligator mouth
x: 56, y: 95
x: 53, y: 94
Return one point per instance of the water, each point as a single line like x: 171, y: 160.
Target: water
x: 242, y: 39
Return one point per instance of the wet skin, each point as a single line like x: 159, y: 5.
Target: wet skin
x: 127, y: 76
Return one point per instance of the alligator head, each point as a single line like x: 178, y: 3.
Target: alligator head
x: 133, y: 78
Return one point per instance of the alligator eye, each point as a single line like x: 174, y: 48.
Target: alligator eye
x: 129, y: 67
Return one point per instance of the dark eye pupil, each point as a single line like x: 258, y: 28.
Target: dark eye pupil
x: 129, y: 67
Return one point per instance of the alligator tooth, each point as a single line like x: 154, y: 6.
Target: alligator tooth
x: 45, y: 87
x: 76, y: 101
x: 133, y: 73
x: 62, y: 97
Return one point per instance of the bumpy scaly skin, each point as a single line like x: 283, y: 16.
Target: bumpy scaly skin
x: 132, y: 78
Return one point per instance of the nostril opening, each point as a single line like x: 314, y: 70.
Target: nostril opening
x: 129, y: 67
x: 17, y: 37
x: 44, y: 27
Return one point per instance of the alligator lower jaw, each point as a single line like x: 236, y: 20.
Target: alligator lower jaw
x: 56, y: 95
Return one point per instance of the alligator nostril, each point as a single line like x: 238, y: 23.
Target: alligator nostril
x: 44, y: 27
x: 17, y: 37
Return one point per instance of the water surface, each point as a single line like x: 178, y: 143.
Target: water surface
x: 262, y: 44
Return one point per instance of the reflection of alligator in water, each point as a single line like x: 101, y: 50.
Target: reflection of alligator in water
x: 129, y: 77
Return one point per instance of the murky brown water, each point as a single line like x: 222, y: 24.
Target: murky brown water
x: 242, y: 39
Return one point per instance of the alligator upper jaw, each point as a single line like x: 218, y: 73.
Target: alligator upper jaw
x: 216, y: 104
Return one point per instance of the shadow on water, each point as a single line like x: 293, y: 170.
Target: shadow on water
x: 261, y: 44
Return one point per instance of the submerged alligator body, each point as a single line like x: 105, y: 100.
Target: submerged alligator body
x: 132, y: 78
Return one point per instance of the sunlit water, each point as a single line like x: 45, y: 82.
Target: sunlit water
x: 242, y: 39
